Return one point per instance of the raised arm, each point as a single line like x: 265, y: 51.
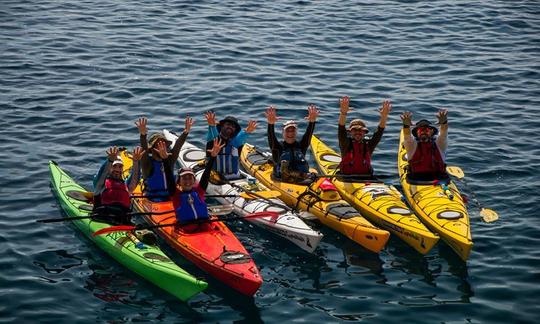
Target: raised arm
x: 135, y: 174
x: 313, y: 113
x: 212, y: 153
x: 212, y: 133
x: 103, y: 172
x: 442, y: 139
x: 146, y: 162
x: 273, y: 143
x: 181, y: 140
x: 408, y: 140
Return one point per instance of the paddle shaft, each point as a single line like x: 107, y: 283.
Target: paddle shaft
x: 64, y: 219
x: 195, y: 222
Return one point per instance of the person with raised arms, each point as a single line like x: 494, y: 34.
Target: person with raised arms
x: 112, y: 202
x: 425, y: 150
x: 289, y: 156
x: 233, y: 137
x: 356, y: 148
x: 153, y: 170
x: 187, y: 195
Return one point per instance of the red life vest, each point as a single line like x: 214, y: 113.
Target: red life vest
x: 357, y: 160
x: 116, y: 192
x: 427, y: 159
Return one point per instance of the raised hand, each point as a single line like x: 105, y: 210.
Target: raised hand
x: 271, y: 115
x: 189, y: 123
x: 313, y: 113
x: 406, y: 118
x: 141, y: 125
x: 161, y: 149
x: 251, y: 126
x: 214, y: 151
x: 385, y: 109
x: 442, y: 116
x: 210, y: 118
x: 344, y: 105
x: 138, y: 153
x: 112, y: 153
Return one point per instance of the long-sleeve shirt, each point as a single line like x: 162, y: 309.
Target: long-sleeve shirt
x: 345, y: 141
x: 146, y: 161
x: 278, y: 147
x: 103, y: 173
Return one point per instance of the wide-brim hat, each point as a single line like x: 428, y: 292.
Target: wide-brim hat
x: 157, y: 136
x: 118, y: 160
x: 424, y: 123
x: 232, y: 120
x: 358, y: 124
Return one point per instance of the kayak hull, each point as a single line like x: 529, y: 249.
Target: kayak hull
x: 334, y: 213
x: 147, y: 261
x: 382, y: 204
x: 211, y: 246
x: 440, y: 207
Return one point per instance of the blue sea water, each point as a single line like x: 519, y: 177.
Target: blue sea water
x: 75, y: 75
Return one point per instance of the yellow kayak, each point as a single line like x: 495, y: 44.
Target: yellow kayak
x: 380, y: 203
x: 318, y: 199
x: 439, y: 206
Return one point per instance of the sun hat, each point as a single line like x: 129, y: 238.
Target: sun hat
x: 358, y: 124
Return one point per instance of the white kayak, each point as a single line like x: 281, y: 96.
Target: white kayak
x: 287, y: 225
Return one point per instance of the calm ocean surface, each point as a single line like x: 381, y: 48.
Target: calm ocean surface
x: 75, y: 75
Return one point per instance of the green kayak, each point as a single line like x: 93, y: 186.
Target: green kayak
x: 148, y: 261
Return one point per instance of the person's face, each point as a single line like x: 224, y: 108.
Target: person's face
x: 358, y: 134
x: 187, y: 181
x: 227, y: 129
x: 289, y: 134
x: 424, y: 133
x: 116, y: 171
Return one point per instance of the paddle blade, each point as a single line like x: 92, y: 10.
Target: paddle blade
x: 488, y: 215
x: 265, y: 194
x: 455, y: 171
x: 111, y: 229
x: 221, y: 209
x: 273, y: 215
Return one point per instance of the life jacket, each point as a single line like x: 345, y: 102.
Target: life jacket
x: 227, y: 160
x: 294, y: 159
x: 189, y: 206
x: 115, y: 193
x: 427, y: 159
x: 156, y: 183
x: 357, y: 160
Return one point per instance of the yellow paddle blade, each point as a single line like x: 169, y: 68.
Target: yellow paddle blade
x: 488, y: 215
x: 266, y: 194
x: 88, y: 195
x: 455, y: 171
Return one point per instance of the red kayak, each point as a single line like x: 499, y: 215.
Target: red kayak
x: 211, y: 246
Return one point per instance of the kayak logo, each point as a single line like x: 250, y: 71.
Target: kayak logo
x: 377, y: 191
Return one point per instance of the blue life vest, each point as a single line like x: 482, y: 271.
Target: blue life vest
x: 191, y: 207
x: 156, y: 183
x: 227, y: 160
x: 295, y: 158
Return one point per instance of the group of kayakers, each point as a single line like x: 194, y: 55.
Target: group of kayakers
x: 425, y: 151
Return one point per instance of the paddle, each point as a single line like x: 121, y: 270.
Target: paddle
x: 144, y: 226
x: 216, y: 210
x: 268, y: 194
x: 488, y: 215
